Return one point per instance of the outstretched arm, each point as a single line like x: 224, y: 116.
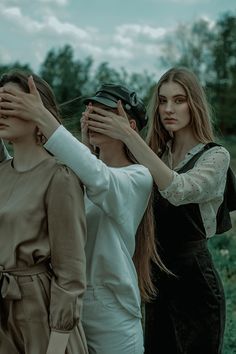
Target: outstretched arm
x: 118, y: 127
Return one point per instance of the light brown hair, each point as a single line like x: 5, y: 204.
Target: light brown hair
x: 146, y: 254
x: 200, y: 113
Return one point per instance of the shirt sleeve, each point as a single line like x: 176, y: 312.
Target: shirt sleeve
x: 67, y: 236
x: 4, y: 155
x: 204, y: 182
x: 107, y: 187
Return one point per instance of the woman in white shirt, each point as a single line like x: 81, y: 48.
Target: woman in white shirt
x: 120, y: 240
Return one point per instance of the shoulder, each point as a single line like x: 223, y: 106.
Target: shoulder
x: 64, y: 176
x: 217, y: 152
x: 139, y: 174
x: 137, y: 169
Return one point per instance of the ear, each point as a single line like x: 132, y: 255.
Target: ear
x: 133, y: 124
x: 40, y: 138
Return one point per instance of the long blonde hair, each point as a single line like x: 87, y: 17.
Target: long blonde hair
x: 200, y: 112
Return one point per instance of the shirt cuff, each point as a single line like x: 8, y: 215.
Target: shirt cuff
x: 58, y: 342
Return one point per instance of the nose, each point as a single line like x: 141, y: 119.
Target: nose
x: 169, y: 107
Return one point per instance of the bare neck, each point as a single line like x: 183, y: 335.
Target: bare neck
x: 26, y: 155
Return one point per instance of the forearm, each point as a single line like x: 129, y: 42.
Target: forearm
x: 161, y: 173
x: 46, y: 122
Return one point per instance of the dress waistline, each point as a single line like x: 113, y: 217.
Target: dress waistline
x: 9, y: 288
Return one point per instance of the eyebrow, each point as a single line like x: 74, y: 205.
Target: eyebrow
x: 179, y: 94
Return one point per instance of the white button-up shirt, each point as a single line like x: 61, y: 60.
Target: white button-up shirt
x: 203, y: 184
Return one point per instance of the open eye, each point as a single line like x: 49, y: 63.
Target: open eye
x: 162, y: 100
x: 180, y: 99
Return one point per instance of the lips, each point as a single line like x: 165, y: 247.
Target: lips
x: 170, y: 120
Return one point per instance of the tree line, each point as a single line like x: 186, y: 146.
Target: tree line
x: 209, y: 50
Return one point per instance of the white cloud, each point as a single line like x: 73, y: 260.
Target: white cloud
x: 187, y: 2
x: 119, y: 53
x: 90, y: 49
x: 49, y: 24
x: 123, y: 40
x: 134, y: 30
x: 211, y: 23
x: 65, y: 28
x: 5, y: 56
x: 59, y: 2
x: 14, y: 14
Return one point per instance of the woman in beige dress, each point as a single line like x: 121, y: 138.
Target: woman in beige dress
x: 42, y: 238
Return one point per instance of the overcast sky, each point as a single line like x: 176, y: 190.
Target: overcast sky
x: 124, y: 33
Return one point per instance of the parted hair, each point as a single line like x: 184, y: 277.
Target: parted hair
x: 200, y: 111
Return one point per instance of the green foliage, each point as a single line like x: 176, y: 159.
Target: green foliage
x: 210, y: 51
x: 223, y: 249
x: 6, y: 68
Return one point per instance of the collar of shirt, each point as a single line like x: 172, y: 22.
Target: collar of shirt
x: 167, y: 156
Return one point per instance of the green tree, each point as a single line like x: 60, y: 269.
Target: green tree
x: 69, y: 79
x: 190, y: 46
x: 4, y: 68
x: 223, y: 84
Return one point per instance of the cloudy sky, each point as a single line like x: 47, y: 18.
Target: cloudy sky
x: 124, y: 33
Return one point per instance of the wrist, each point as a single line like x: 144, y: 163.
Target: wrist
x: 128, y: 134
x: 47, y: 123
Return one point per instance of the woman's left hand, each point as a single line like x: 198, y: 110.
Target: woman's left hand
x: 109, y: 123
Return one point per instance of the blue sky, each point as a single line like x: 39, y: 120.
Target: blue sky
x: 125, y: 33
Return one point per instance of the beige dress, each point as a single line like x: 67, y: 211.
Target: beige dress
x: 42, y: 259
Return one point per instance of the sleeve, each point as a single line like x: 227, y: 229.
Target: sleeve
x: 4, y: 155
x: 67, y: 236
x: 105, y: 186
x: 204, y: 182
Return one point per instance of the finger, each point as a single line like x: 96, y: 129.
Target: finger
x: 99, y: 118
x: 10, y: 90
x: 102, y: 112
x: 10, y: 112
x: 8, y: 105
x: 8, y: 97
x: 32, y: 87
x: 98, y: 130
x: 121, y: 110
x: 89, y: 107
x: 85, y: 115
x: 93, y: 123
